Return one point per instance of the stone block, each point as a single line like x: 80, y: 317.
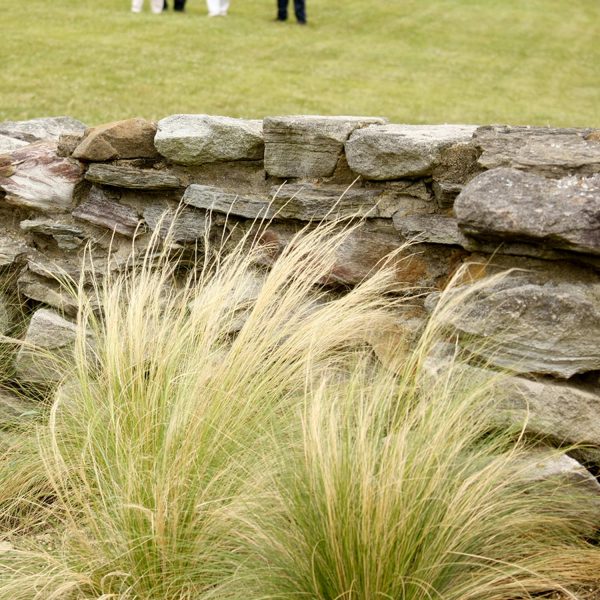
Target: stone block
x: 132, y: 178
x: 308, y: 147
x: 43, y: 129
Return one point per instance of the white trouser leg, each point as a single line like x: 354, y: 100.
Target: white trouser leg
x: 136, y: 5
x: 224, y: 7
x: 157, y: 6
x: 214, y: 7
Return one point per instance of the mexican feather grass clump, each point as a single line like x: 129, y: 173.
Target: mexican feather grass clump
x: 183, y: 461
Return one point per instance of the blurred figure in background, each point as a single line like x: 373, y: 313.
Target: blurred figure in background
x: 178, y: 5
x: 299, y: 10
x: 217, y: 8
x: 155, y: 5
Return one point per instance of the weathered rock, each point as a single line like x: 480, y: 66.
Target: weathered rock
x: 537, y: 322
x: 40, y: 179
x: 509, y: 205
x: 67, y: 143
x: 9, y: 144
x: 35, y: 130
x: 183, y: 225
x: 12, y: 248
x: 212, y: 198
x: 132, y: 178
x: 397, y: 151
x: 542, y: 150
x: 309, y: 147
x: 101, y: 208
x: 199, y: 139
x: 434, y: 229
x: 67, y: 235
x: 445, y: 193
x: 418, y: 266
x: 48, y: 342
x: 15, y: 410
x: 132, y: 138
x: 302, y: 202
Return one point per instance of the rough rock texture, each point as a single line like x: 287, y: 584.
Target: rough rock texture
x: 210, y: 197
x: 9, y: 144
x: 509, y: 205
x: 533, y: 322
x: 435, y: 229
x: 132, y: 138
x: 304, y: 146
x: 14, y: 410
x: 12, y: 248
x: 67, y: 235
x: 397, y: 151
x: 132, y: 178
x: 39, y: 179
x: 49, y: 337
x: 542, y: 150
x: 102, y: 208
x: 199, y: 139
x: 185, y: 225
x: 35, y: 130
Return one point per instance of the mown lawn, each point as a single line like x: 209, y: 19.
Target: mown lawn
x: 415, y: 61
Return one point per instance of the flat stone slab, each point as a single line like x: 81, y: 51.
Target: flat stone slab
x: 510, y: 205
x: 397, y: 151
x: 542, y: 150
x: 34, y: 176
x: 132, y: 178
x: 201, y: 139
x: 303, y: 202
x: 306, y: 146
x: 131, y: 138
x: 179, y: 226
x: 434, y: 229
x: 35, y: 130
x: 49, y: 339
x: 535, y: 322
x: 102, y: 209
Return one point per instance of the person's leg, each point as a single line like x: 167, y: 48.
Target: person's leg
x: 179, y: 5
x: 224, y: 7
x: 214, y: 8
x: 137, y: 5
x: 157, y: 6
x: 282, y: 10
x: 300, y: 10
x: 165, y: 5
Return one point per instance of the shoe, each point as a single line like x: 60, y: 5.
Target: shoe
x: 301, y: 22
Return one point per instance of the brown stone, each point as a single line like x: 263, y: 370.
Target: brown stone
x: 132, y: 138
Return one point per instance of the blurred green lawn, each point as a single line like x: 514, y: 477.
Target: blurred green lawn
x: 413, y: 61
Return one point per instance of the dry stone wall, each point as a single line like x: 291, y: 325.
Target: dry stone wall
x: 522, y: 198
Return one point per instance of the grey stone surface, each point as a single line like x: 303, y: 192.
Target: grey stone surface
x: 445, y: 193
x: 434, y: 229
x: 397, y: 151
x: 199, y: 139
x: 49, y: 340
x: 542, y: 150
x: 38, y: 178
x: 209, y: 197
x: 15, y: 410
x: 101, y: 208
x: 308, y: 147
x: 183, y: 225
x: 132, y: 178
x: 131, y: 138
x: 35, y: 130
x: 9, y: 144
x: 510, y: 205
x: 540, y: 322
x: 12, y: 248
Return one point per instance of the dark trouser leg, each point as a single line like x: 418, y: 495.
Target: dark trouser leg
x: 300, y: 10
x: 282, y: 9
x: 165, y: 5
x: 179, y: 5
